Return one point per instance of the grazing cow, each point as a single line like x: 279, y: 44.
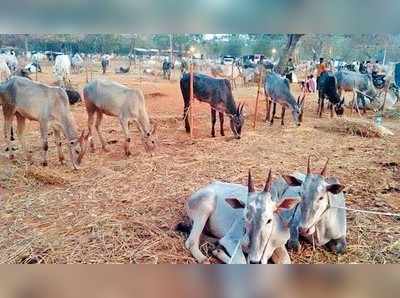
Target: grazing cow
x: 218, y: 94
x: 277, y: 90
x: 122, y: 69
x: 244, y: 222
x: 113, y: 99
x: 328, y: 89
x: 62, y: 69
x: 33, y: 67
x: 348, y: 80
x: 26, y: 99
x: 317, y: 219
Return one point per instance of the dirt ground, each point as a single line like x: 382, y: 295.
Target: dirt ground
x: 120, y: 210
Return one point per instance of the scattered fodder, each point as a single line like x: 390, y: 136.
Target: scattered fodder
x: 354, y: 126
x: 47, y: 176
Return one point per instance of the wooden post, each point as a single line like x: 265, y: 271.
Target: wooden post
x: 257, y: 99
x: 86, y: 70
x: 232, y: 75
x: 36, y: 72
x: 191, y: 100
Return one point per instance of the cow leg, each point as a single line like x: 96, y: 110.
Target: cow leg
x: 213, y: 120
x: 267, y: 109
x: 283, y: 115
x: 193, y: 241
x: 8, y: 117
x: 21, y: 137
x: 273, y: 113
x: 321, y: 107
x: 294, y: 243
x: 337, y: 246
x: 90, y: 128
x: 99, y: 117
x: 45, y: 144
x: 221, y: 123
x: 281, y: 256
x: 221, y: 255
x: 124, y: 125
x: 57, y: 136
x: 331, y: 109
x: 186, y: 115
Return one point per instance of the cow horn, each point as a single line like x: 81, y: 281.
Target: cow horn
x: 241, y: 108
x: 323, y: 172
x: 250, y: 183
x: 268, y: 183
x: 308, y: 165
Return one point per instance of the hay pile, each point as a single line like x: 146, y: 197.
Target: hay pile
x: 355, y: 126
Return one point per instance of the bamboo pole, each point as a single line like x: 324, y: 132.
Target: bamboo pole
x: 191, y: 101
x: 257, y: 99
x: 86, y: 70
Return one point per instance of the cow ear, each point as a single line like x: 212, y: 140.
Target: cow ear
x: 292, y: 181
x: 335, y: 188
x: 286, y: 204
x: 235, y: 203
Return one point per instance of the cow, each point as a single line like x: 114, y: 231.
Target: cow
x: 34, y: 101
x: 167, y: 68
x: 277, y: 90
x: 321, y: 214
x: 11, y: 61
x: 348, y: 81
x: 62, y: 69
x: 76, y: 63
x: 328, y: 89
x: 244, y: 222
x: 5, y: 72
x: 218, y: 94
x: 113, y: 99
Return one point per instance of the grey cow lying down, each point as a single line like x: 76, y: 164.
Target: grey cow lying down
x: 317, y: 218
x: 113, y: 99
x: 25, y: 99
x: 244, y: 221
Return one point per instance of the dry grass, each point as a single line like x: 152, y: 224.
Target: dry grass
x: 355, y: 126
x: 120, y: 210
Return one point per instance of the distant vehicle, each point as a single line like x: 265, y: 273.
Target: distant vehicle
x: 228, y: 59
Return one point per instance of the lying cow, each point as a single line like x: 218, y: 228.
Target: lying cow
x: 328, y: 89
x: 26, y: 99
x: 277, y: 90
x: 113, y: 99
x: 316, y: 217
x: 218, y: 94
x: 244, y: 222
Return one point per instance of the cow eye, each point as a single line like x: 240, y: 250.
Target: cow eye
x: 269, y: 221
x: 320, y: 198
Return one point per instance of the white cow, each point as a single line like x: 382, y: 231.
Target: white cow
x: 62, y: 69
x: 11, y: 61
x: 5, y: 72
x: 77, y: 63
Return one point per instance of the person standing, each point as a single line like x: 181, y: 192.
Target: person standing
x: 321, y: 68
x: 289, y: 70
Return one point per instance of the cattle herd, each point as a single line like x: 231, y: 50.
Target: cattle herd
x: 248, y: 226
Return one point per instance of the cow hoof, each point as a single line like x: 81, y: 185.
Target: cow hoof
x: 222, y: 134
x: 44, y: 164
x: 213, y: 136
x: 294, y: 245
x: 128, y: 153
x: 62, y: 160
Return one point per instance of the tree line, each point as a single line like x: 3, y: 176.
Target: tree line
x: 339, y: 46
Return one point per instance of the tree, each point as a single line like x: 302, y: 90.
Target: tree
x: 287, y: 52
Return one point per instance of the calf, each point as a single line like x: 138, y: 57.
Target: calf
x: 277, y: 89
x: 328, y: 89
x: 113, y: 99
x: 317, y: 218
x: 218, y: 94
x: 244, y: 222
x: 26, y: 99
